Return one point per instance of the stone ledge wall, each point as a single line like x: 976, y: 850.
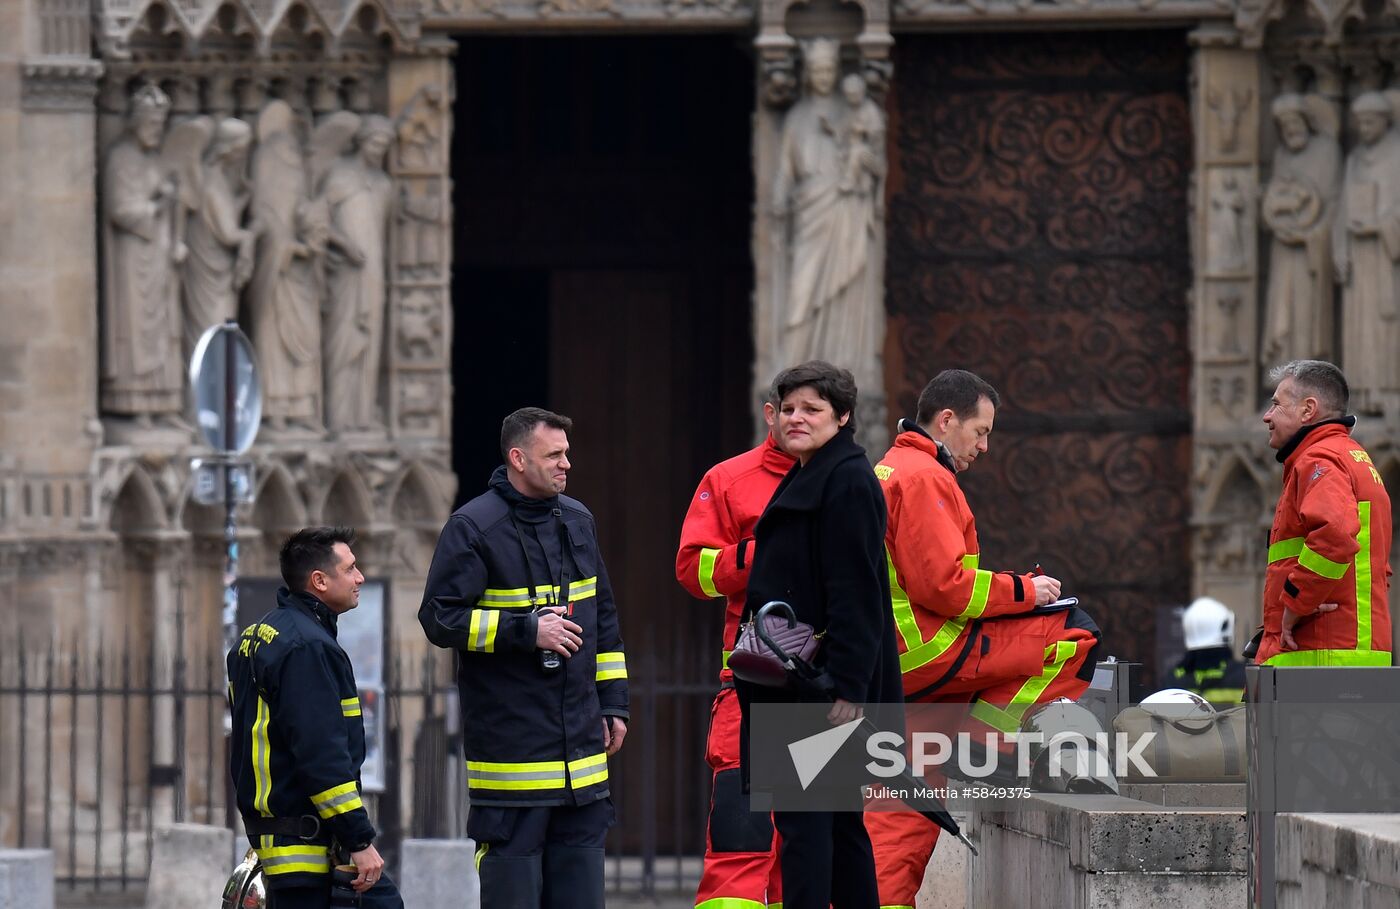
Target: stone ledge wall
x: 1338, y: 860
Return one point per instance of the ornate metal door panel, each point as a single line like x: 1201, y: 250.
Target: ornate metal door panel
x: 1038, y: 236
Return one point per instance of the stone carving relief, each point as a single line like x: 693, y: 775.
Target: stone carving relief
x: 284, y: 298
x: 420, y: 229
x: 419, y: 326
x: 142, y: 251
x: 1297, y: 208
x: 420, y: 402
x: 214, y: 191
x: 420, y: 128
x: 1230, y: 224
x: 827, y: 199
x: 1366, y: 253
x: 1229, y: 104
x: 359, y: 195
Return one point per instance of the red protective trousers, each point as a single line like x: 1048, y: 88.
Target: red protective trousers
x: 741, y: 848
x: 1001, y: 685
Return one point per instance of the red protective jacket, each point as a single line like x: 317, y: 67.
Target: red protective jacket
x: 936, y: 584
x: 717, y: 537
x: 1330, y: 543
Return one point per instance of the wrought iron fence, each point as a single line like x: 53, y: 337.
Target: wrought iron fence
x: 99, y: 745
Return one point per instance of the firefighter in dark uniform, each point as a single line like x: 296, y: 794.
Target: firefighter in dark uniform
x: 1209, y: 668
x: 298, y: 739
x: 517, y: 587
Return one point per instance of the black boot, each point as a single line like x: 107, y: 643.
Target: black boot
x: 512, y: 881
x: 573, y: 877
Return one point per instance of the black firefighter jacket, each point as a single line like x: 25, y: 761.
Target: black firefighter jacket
x: 298, y: 739
x: 532, y: 738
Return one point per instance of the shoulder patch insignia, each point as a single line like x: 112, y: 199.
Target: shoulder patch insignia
x: 705, y: 496
x: 1318, y: 471
x: 884, y: 471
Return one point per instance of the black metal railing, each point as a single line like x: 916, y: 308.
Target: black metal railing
x: 100, y: 744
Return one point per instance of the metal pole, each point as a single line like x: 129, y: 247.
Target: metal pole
x: 230, y: 525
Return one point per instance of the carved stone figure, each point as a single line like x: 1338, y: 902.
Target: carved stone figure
x: 1226, y: 228
x: 360, y: 196
x: 1366, y: 247
x: 142, y: 373
x: 828, y: 192
x: 284, y: 298
x: 220, y: 260
x: 419, y: 228
x: 1298, y: 208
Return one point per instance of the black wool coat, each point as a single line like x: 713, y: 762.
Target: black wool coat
x: 820, y: 546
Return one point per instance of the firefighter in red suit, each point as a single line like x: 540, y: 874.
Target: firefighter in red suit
x: 716, y: 550
x: 966, y: 634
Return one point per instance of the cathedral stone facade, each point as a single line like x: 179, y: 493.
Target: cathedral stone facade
x: 1123, y: 212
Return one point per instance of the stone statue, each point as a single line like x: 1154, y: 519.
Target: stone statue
x: 142, y: 372
x: 284, y: 297
x: 828, y: 194
x: 220, y: 260
x: 1365, y: 250
x: 1298, y: 207
x: 1226, y: 228
x: 361, y: 196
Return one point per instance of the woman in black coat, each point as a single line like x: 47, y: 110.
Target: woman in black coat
x: 820, y: 547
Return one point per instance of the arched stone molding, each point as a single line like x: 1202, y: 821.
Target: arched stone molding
x: 137, y: 507
x: 243, y: 26
x: 347, y: 501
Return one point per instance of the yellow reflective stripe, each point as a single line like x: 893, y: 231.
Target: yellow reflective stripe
x: 481, y: 854
x: 731, y: 902
x: 708, y: 557
x: 1285, y: 549
x: 293, y: 859
x: 931, y: 650
x: 1056, y: 657
x: 995, y: 717
x: 1317, y: 563
x: 1330, y: 658
x: 1363, y: 577
x: 1222, y: 695
x: 724, y: 659
x: 482, y: 636
x: 525, y: 775
x: 503, y: 597
x: 582, y: 590
x: 977, y: 603
x: 337, y: 800
x: 350, y: 706
x: 588, y: 771
x: 611, y: 666
x: 903, y: 613
x: 971, y: 561
x: 262, y: 760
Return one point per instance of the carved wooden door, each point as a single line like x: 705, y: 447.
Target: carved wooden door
x: 1038, y: 236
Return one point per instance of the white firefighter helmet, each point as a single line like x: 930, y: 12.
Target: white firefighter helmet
x: 1177, y: 705
x: 246, y: 888
x: 1072, y: 735
x: 1207, y: 622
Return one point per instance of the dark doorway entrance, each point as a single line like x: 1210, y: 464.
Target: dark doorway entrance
x: 603, y: 190
x: 1037, y: 236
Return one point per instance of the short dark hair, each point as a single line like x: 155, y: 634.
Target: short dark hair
x: 311, y: 549
x: 1318, y: 378
x: 835, y: 385
x: 957, y: 390
x: 518, y: 426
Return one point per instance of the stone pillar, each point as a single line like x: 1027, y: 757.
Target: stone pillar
x: 419, y: 322
x: 1233, y: 474
x: 47, y: 372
